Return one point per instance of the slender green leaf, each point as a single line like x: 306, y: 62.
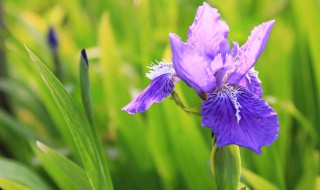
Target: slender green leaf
x: 7, y: 120
x: 256, y: 181
x: 24, y: 97
x: 14, y: 145
x: 11, y: 185
x: 318, y: 183
x: 65, y: 173
x: 79, y: 127
x: 14, y: 174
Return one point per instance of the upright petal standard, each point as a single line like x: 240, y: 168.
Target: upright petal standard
x: 222, y: 76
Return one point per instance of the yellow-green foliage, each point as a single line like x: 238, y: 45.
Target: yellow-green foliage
x: 164, y: 148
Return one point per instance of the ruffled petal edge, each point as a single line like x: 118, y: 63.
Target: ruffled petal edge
x: 239, y: 117
x: 159, y: 88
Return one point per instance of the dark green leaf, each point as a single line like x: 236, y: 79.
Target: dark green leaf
x: 64, y: 172
x: 16, y: 175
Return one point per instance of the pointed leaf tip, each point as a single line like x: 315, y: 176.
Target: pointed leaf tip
x: 40, y: 145
x: 28, y: 50
x: 84, y: 56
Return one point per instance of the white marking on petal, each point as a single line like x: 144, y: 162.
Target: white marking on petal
x: 254, y: 73
x: 248, y: 78
x: 159, y: 69
x: 231, y: 92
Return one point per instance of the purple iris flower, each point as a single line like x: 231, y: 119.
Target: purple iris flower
x: 222, y: 76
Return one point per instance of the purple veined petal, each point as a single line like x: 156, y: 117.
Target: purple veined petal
x: 159, y: 88
x: 208, y: 33
x: 239, y: 117
x: 191, y: 66
x: 252, y: 82
x: 251, y: 50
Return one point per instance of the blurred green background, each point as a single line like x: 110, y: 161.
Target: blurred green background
x: 164, y: 148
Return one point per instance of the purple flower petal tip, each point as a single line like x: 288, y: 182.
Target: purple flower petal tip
x: 158, y: 89
x: 239, y: 117
x: 259, y: 37
x: 257, y: 40
x: 251, y: 50
x: 84, y: 56
x: 208, y: 33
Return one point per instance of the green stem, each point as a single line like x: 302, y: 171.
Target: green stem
x: 213, y: 151
x: 57, y: 64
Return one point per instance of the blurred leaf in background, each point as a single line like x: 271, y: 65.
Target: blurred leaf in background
x: 164, y: 148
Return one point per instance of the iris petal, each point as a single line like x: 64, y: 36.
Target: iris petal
x: 221, y: 67
x: 191, y: 66
x: 251, y: 50
x: 235, y: 50
x: 158, y: 89
x: 251, y: 124
x: 252, y: 83
x: 208, y: 33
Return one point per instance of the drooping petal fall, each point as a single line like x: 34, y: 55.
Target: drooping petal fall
x: 159, y: 88
x: 239, y: 117
x: 208, y: 34
x: 191, y: 66
x: 251, y: 50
